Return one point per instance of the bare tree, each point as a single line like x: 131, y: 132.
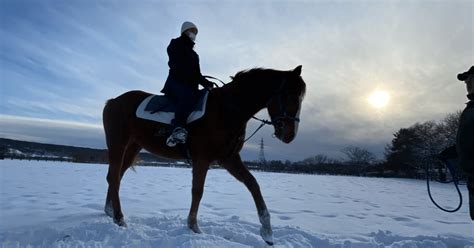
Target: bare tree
x: 358, y: 156
x: 416, y: 147
x: 318, y: 159
x: 448, y: 128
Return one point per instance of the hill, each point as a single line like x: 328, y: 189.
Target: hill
x: 16, y: 149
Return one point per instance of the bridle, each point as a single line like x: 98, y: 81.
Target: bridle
x: 282, y: 114
x: 277, y: 121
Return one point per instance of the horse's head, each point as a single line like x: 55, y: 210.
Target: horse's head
x: 285, y: 105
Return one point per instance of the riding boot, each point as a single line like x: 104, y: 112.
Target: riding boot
x: 178, y: 136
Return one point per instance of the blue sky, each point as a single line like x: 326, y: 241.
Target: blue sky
x: 61, y: 60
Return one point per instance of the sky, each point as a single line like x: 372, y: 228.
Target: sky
x: 61, y: 60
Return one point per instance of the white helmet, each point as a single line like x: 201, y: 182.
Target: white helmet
x: 188, y: 25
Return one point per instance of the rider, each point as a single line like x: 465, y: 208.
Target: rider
x: 183, y: 80
x: 465, y: 136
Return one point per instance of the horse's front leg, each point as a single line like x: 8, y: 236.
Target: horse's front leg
x: 237, y: 168
x: 199, y: 177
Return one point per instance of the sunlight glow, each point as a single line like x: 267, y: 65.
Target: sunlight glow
x: 379, y: 99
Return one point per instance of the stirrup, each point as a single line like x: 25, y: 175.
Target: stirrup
x: 179, y: 135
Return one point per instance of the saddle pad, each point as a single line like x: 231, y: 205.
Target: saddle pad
x: 161, y: 109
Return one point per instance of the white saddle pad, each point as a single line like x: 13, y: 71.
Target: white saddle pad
x: 166, y: 117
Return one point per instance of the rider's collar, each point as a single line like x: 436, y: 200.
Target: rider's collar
x: 470, y: 96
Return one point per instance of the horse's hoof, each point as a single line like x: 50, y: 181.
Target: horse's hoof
x: 109, y: 211
x: 267, y: 235
x: 195, y: 228
x: 120, y: 222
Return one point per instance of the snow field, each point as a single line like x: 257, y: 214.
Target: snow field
x: 59, y: 204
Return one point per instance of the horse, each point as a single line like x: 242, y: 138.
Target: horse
x: 216, y: 137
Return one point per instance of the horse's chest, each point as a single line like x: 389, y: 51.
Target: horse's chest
x: 233, y: 144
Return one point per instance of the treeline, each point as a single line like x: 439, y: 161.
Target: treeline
x: 330, y: 168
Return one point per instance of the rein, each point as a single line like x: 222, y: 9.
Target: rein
x: 263, y: 123
x: 455, y: 180
x: 211, y: 77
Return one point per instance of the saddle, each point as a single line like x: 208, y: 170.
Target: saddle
x: 161, y: 108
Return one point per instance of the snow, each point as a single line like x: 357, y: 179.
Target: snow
x: 14, y: 152
x: 60, y: 204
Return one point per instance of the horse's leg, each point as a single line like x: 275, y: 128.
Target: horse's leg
x: 128, y: 158
x: 199, y: 177
x: 113, y: 178
x: 237, y: 168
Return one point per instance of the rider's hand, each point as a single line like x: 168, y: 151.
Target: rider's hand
x: 210, y: 85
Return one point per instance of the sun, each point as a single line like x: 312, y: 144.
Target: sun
x: 379, y: 99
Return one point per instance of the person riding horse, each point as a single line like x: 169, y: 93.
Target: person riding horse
x: 183, y: 80
x: 465, y: 136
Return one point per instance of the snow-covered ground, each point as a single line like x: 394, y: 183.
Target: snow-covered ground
x: 57, y: 204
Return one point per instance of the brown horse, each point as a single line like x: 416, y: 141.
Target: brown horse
x: 217, y: 137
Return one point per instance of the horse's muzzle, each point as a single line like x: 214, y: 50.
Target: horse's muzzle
x: 285, y: 132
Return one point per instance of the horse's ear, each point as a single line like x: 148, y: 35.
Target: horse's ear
x: 297, y: 70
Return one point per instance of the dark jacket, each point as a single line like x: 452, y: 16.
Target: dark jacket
x: 184, y: 64
x: 465, y: 138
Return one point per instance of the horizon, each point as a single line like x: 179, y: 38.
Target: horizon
x: 371, y: 68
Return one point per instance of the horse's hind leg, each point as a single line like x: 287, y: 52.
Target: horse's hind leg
x: 128, y: 158
x: 236, y: 167
x: 112, y: 206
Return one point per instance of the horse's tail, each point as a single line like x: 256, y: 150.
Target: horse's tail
x: 111, y: 120
x: 106, y: 112
x: 106, y: 119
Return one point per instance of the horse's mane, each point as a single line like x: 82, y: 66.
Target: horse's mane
x: 254, y: 79
x: 253, y: 72
x: 261, y: 80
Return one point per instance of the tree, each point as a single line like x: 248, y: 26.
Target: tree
x: 358, y: 156
x: 400, y: 154
x: 318, y: 159
x: 448, y: 128
x: 417, y: 147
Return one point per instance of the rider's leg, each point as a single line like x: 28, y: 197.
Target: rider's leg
x: 186, y: 100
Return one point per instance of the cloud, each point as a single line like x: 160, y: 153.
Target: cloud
x: 51, y: 131
x: 64, y: 60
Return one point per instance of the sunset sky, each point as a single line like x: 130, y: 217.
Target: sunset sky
x: 61, y: 60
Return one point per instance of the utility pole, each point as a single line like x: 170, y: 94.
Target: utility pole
x: 261, y: 156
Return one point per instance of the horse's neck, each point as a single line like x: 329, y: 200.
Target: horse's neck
x: 243, y: 103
